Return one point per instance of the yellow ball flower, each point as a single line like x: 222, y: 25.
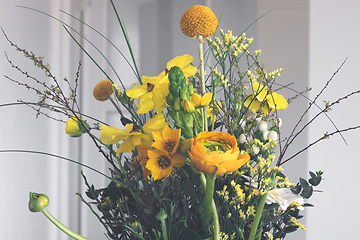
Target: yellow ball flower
x: 198, y: 20
x: 103, y: 90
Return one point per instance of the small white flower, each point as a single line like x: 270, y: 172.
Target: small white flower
x: 283, y: 197
x: 256, y: 149
x: 262, y: 126
x: 273, y: 135
x: 242, y: 138
x: 265, y: 135
x: 242, y: 123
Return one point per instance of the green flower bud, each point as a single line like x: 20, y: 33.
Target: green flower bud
x: 187, y: 124
x: 184, y: 94
x: 191, y: 89
x: 38, y: 202
x: 177, y: 105
x: 170, y: 98
x: 162, y: 215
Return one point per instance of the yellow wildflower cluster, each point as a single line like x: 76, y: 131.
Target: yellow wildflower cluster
x: 224, y: 81
x: 250, y: 211
x: 284, y: 182
x: 296, y: 223
x: 269, y: 236
x: 230, y: 44
x: 225, y: 236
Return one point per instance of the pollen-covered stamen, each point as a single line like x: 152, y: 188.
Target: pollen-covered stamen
x: 150, y: 87
x: 163, y: 162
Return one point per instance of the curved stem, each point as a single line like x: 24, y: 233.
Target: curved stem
x: 62, y: 227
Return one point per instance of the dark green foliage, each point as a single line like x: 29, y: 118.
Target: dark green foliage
x: 129, y: 204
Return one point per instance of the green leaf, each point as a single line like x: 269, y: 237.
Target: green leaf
x: 297, y: 189
x: 307, y: 194
x: 313, y: 175
x: 315, y: 180
x: 304, y: 184
x: 190, y: 234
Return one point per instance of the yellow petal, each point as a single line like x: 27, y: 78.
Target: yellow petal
x: 110, y: 135
x: 126, y: 146
x: 136, y: 92
x: 155, y: 124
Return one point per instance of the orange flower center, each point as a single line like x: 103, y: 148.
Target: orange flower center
x: 150, y: 87
x: 163, y: 162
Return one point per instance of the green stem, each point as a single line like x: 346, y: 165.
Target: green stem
x: 164, y: 232
x: 210, y: 206
x: 202, y: 76
x: 258, y: 215
x: 62, y: 227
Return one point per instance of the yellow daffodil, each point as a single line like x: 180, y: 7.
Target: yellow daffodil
x: 198, y: 20
x: 155, y: 124
x: 265, y: 99
x: 216, y: 148
x: 153, y: 93
x: 143, y: 158
x: 167, y: 140
x: 131, y: 136
x: 103, y: 90
x: 201, y: 101
x: 160, y: 163
x: 74, y: 128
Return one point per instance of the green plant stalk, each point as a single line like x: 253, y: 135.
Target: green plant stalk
x: 210, y: 206
x: 258, y: 215
x: 164, y: 231
x: 62, y: 227
x: 202, y: 77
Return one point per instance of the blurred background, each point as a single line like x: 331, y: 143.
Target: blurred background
x: 305, y: 37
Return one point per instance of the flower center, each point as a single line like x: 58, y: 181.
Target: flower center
x: 150, y: 87
x: 169, y: 146
x: 163, y: 162
x: 216, y: 146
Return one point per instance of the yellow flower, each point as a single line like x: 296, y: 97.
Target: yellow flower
x: 103, y: 90
x: 216, y: 148
x: 155, y: 124
x: 167, y: 140
x: 198, y: 20
x: 188, y: 106
x: 265, y: 99
x: 143, y: 158
x: 201, y: 101
x: 74, y: 128
x: 131, y: 136
x: 153, y: 93
x: 160, y: 163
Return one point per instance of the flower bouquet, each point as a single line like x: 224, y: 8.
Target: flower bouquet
x: 194, y: 156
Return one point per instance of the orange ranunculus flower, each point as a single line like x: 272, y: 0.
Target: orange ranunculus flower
x: 216, y: 148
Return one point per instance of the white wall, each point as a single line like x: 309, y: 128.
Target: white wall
x: 334, y: 36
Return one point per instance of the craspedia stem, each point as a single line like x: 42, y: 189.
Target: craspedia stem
x: 202, y: 78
